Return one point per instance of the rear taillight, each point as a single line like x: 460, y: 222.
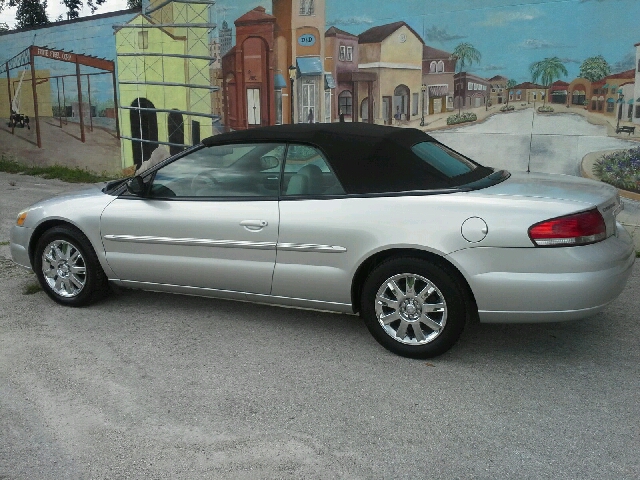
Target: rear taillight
x: 578, y: 229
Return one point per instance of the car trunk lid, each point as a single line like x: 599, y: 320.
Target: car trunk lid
x: 563, y: 187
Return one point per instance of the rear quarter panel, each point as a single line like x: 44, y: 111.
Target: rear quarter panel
x: 366, y: 226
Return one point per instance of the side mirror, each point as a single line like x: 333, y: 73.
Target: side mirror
x: 135, y: 186
x: 269, y: 161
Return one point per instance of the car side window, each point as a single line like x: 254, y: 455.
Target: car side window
x: 307, y: 173
x: 236, y: 170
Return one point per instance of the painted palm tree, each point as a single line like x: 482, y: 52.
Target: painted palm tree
x: 547, y: 71
x: 465, y: 54
x: 510, y: 84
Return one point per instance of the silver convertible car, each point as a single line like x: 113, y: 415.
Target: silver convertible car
x: 352, y: 218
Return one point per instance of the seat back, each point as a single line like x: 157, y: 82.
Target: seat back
x: 298, y: 185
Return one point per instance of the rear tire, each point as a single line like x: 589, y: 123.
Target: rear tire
x: 413, y: 308
x: 67, y: 267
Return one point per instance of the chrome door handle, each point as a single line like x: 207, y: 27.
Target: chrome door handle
x: 254, y: 224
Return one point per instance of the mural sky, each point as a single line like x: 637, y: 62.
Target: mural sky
x: 510, y: 34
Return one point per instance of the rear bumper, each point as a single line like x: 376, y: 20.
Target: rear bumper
x: 19, y: 242
x: 526, y: 285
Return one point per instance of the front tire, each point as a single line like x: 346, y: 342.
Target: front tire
x: 413, y: 308
x: 67, y: 267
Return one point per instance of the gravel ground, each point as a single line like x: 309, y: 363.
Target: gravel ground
x: 146, y: 385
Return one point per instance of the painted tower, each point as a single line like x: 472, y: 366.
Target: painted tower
x: 299, y: 32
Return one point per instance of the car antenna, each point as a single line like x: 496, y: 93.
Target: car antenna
x: 533, y: 114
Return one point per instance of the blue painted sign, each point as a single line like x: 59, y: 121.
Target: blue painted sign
x: 307, y: 40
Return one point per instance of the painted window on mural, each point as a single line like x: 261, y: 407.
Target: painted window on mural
x: 610, y: 104
x: 345, y: 102
x: 440, y: 66
x: 195, y: 131
x: 349, y: 54
x: 278, y: 107
x: 175, y: 127
x: 143, y: 40
x: 343, y: 53
x: 327, y: 106
x: 306, y: 7
x: 364, y: 109
x: 432, y: 67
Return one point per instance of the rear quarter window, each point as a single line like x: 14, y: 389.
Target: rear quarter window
x: 443, y: 159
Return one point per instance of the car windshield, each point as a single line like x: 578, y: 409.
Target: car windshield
x: 443, y: 159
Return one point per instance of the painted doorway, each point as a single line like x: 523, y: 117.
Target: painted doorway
x: 386, y: 110
x: 144, y: 126
x: 308, y: 104
x: 253, y: 106
x: 175, y: 126
x: 401, y: 102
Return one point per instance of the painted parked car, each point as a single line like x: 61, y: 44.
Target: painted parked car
x: 352, y: 218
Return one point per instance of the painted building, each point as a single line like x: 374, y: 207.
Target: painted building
x: 164, y: 79
x: 498, y: 92
x: 300, y: 53
x: 470, y: 91
x: 438, y: 69
x: 627, y: 101
x: 21, y: 84
x: 215, y: 70
x: 578, y: 91
x: 394, y: 53
x: 605, y: 93
x: 226, y: 38
x: 248, y: 72
x: 636, y: 90
x: 528, y: 92
x: 342, y: 64
x: 559, y: 93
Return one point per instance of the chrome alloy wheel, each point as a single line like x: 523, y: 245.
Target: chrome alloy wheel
x: 64, y: 268
x: 411, y: 309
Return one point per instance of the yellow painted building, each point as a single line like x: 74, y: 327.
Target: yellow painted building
x: 394, y: 52
x: 164, y: 80
x: 43, y: 90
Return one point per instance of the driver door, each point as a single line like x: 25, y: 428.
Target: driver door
x: 208, y: 219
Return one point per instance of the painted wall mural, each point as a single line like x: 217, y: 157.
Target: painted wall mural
x: 516, y: 86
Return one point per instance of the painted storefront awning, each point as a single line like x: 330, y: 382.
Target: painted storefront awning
x: 606, y: 85
x: 309, y: 66
x: 279, y: 81
x: 610, y: 100
x: 329, y: 81
x: 519, y: 92
x: 438, y: 90
x: 559, y: 92
x: 630, y: 102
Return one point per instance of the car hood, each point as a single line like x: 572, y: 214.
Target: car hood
x: 94, y: 190
x: 555, y: 187
x: 72, y: 206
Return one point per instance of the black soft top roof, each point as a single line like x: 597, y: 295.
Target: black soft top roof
x: 330, y: 135
x: 366, y: 158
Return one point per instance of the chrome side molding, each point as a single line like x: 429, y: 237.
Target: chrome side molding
x: 203, y: 242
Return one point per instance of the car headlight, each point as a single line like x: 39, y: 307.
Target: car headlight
x: 22, y: 216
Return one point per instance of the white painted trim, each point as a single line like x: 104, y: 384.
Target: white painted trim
x: 405, y: 66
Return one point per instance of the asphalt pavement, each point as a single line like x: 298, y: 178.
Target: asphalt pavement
x: 148, y: 385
